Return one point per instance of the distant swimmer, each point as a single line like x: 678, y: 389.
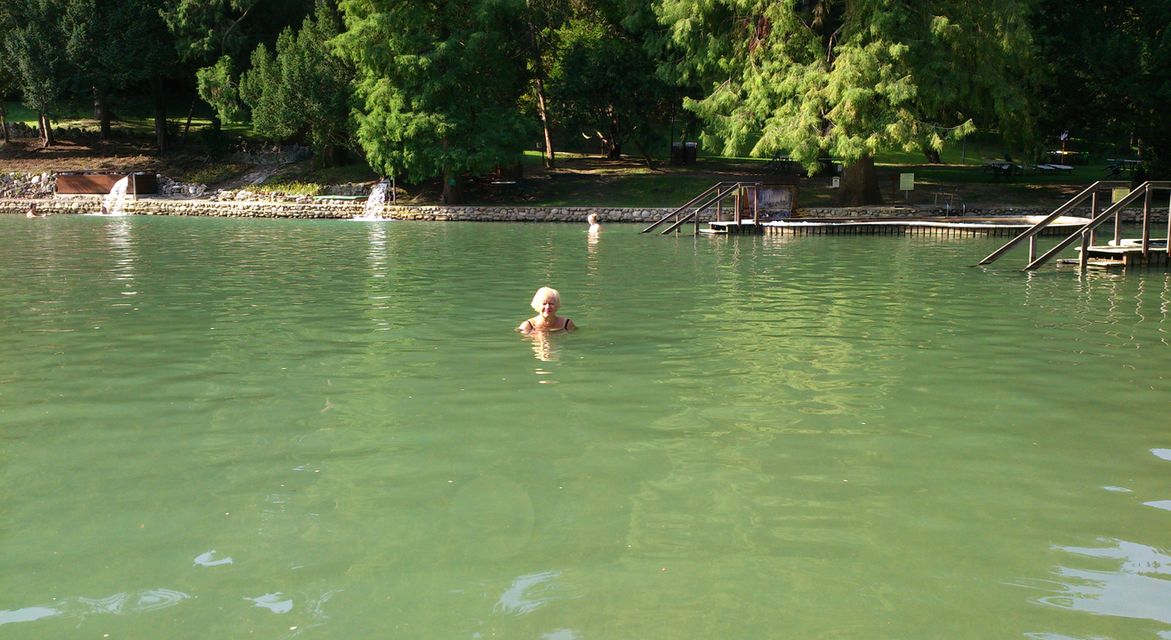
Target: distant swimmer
x: 546, y: 303
x: 32, y: 211
x: 594, y: 225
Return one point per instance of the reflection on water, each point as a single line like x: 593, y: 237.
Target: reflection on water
x: 377, y: 251
x: 120, y: 234
x: 80, y: 607
x: 1118, y: 578
x: 528, y: 592
x: 274, y: 602
x: 544, y: 348
x: 1139, y: 586
x: 208, y: 559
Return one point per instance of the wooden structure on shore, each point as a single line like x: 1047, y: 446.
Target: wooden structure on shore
x: 74, y: 183
x: 742, y: 205
x: 1116, y: 252
x: 758, y: 208
x: 936, y: 226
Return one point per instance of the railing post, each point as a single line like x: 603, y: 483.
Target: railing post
x: 1146, y: 220
x: 736, y: 204
x: 1084, y: 259
x: 1032, y: 248
x: 756, y: 203
x: 1117, y: 225
x: 1093, y: 214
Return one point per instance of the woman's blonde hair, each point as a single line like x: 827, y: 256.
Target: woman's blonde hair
x: 543, y: 294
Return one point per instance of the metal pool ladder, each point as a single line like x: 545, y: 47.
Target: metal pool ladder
x: 740, y: 192
x: 1085, y: 233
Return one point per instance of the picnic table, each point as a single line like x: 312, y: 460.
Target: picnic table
x: 783, y: 164
x: 1118, y: 166
x: 508, y: 189
x: 1003, y: 168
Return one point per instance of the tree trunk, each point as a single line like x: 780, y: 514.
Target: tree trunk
x: 156, y: 83
x: 452, y: 193
x: 615, y: 147
x: 187, y: 126
x: 4, y: 121
x: 331, y: 155
x: 646, y: 155
x: 931, y: 154
x: 539, y: 85
x: 47, y: 139
x: 860, y: 184
x: 102, y: 113
x: 542, y: 111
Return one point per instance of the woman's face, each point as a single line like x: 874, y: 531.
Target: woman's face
x: 548, y: 307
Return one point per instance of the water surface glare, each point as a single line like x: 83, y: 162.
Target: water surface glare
x: 274, y: 429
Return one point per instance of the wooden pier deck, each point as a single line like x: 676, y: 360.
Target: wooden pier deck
x: 927, y: 226
x: 1128, y: 253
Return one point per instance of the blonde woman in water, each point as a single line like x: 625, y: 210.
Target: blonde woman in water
x: 546, y: 303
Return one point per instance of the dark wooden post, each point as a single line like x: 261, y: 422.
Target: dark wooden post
x: 1146, y: 220
x: 1093, y: 214
x: 736, y: 205
x: 1117, y: 225
x: 756, y: 203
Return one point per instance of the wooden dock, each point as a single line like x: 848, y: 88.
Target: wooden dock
x: 1128, y: 253
x: 1117, y: 252
x: 927, y: 226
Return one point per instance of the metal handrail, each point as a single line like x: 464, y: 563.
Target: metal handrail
x: 720, y: 195
x: 1143, y: 189
x: 714, y: 194
x: 689, y: 203
x: 1047, y: 220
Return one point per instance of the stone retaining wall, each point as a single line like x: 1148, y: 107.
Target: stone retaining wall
x: 176, y: 200
x: 336, y: 210
x: 344, y: 210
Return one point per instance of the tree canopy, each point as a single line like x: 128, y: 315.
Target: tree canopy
x: 603, y: 82
x: 428, y: 88
x: 438, y: 85
x: 304, y: 90
x: 850, y: 78
x: 1107, y: 72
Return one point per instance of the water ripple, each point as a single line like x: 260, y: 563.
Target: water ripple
x: 123, y: 603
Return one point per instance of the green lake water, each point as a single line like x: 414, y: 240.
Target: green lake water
x: 276, y: 429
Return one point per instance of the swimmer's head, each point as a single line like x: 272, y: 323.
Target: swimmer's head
x: 592, y: 218
x: 543, y: 295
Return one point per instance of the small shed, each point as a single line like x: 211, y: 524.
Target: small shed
x: 776, y: 200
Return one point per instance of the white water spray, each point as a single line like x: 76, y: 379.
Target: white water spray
x: 115, y: 202
x: 375, y: 203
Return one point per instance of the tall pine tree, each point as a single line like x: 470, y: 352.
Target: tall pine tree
x: 438, y: 85
x: 850, y: 78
